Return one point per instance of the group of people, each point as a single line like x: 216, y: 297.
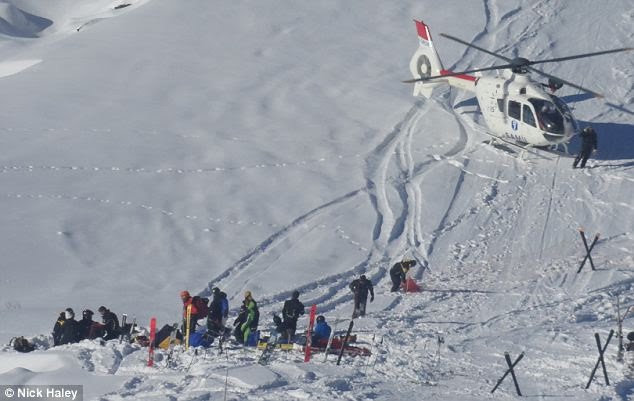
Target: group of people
x: 248, y: 317
x: 68, y: 330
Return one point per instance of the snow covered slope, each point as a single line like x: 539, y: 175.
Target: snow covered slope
x: 270, y: 146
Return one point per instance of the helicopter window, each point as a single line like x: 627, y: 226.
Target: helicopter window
x: 515, y: 110
x: 527, y: 116
x: 549, y: 116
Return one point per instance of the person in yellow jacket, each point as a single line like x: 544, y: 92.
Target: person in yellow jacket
x: 253, y: 317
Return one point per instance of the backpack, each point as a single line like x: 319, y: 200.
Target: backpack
x: 202, y: 304
x: 21, y: 344
x: 200, y: 339
x: 225, y: 304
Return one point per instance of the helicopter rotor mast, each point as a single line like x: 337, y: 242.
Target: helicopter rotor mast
x: 521, y: 65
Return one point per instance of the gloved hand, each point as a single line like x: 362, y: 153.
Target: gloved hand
x: 243, y: 327
x: 372, y: 299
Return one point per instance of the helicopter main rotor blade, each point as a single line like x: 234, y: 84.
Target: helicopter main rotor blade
x: 595, y: 94
x: 508, y: 60
x: 624, y: 49
x: 453, y: 74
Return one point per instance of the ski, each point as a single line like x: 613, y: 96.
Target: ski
x: 345, y: 342
x: 171, y: 343
x: 268, y: 349
x: 150, y: 360
x: 619, y: 333
x: 124, y: 319
x: 226, y: 332
x: 332, y: 335
x: 588, y: 250
x: 348, y: 350
x: 188, y: 323
x: 132, y: 327
x: 311, y: 323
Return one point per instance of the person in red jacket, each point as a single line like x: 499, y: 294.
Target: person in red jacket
x: 198, y: 311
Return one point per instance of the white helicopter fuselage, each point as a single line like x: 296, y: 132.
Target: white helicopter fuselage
x: 514, y: 106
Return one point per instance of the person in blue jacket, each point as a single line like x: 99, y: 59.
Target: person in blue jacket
x: 321, y: 332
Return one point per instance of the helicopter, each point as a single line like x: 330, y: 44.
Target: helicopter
x: 517, y: 109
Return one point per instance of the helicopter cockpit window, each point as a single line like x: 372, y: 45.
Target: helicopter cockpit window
x: 550, y: 118
x: 527, y: 116
x: 566, y: 111
x: 515, y: 110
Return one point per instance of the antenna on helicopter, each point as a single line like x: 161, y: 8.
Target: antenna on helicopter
x: 521, y: 65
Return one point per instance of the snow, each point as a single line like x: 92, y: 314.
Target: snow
x: 269, y: 146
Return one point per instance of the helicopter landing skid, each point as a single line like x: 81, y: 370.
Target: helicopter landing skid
x: 530, y: 149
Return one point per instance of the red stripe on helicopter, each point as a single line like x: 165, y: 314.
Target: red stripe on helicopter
x: 421, y: 28
x: 461, y: 76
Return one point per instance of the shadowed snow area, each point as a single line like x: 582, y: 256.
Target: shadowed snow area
x: 271, y: 147
x: 15, y: 22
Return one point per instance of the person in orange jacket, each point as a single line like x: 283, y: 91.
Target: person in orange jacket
x: 188, y: 300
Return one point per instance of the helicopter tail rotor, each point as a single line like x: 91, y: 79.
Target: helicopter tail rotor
x: 425, y: 62
x: 427, y: 69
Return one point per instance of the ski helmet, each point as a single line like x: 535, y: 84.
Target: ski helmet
x: 295, y: 294
x: 321, y: 318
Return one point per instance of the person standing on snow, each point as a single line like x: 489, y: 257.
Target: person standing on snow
x: 110, y: 322
x: 88, y: 329
x: 292, y: 310
x: 188, y: 300
x: 361, y: 287
x: 70, y: 328
x: 57, y: 328
x: 588, y: 145
x: 224, y: 305
x: 215, y: 316
x: 398, y: 273
x: 253, y: 316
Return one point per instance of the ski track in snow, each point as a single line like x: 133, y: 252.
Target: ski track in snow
x: 177, y: 170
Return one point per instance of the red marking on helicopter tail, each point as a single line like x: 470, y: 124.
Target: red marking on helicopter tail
x: 423, y: 31
x: 460, y: 76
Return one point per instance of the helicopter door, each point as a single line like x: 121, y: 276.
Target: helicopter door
x: 528, y: 117
x: 514, y: 111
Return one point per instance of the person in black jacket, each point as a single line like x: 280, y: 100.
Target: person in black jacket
x: 237, y: 323
x: 215, y: 316
x: 70, y: 328
x: 588, y: 145
x: 88, y: 328
x: 291, y: 311
x: 111, y: 324
x: 57, y: 328
x: 361, y: 287
x: 398, y: 273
